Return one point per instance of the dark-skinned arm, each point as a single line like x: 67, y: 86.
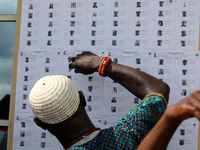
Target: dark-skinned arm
x: 159, y: 137
x: 137, y: 82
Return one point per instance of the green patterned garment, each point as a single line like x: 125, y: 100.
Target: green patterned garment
x: 131, y: 129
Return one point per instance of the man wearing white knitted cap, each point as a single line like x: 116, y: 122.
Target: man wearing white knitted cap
x: 59, y: 108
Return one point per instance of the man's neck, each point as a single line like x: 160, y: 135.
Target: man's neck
x: 84, y: 138
x: 68, y: 138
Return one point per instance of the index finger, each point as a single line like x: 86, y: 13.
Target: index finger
x: 72, y: 66
x: 73, y: 59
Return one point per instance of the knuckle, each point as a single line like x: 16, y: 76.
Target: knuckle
x: 193, y: 94
x: 194, y: 109
x: 184, y: 106
x: 189, y: 98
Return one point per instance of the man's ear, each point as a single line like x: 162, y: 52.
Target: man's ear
x: 82, y: 98
x: 40, y: 123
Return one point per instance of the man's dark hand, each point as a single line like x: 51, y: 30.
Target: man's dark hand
x: 85, y: 63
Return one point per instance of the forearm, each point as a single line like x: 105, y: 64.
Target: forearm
x: 137, y: 82
x: 159, y: 137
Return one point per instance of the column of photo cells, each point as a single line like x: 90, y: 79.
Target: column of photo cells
x: 95, y: 24
x: 114, y: 41
x: 29, y: 24
x: 187, y: 25
x: 47, y: 68
x: 163, y: 19
x: 184, y: 89
x: 24, y: 130
x: 74, y: 24
x: 31, y: 34
x: 50, y: 64
x: 25, y: 79
x: 139, y: 24
x: 73, y: 6
x: 47, y: 65
x: 24, y: 98
x: 26, y: 73
x: 50, y: 26
x: 94, y: 9
x: 31, y: 20
x: 160, y: 15
x: 183, y: 27
x: 117, y: 21
x: 184, y: 23
x: 22, y: 82
x: 72, y: 16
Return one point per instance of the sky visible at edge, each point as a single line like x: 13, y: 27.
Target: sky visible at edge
x: 7, y: 32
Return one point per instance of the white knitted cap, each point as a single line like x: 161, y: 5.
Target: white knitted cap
x: 54, y: 99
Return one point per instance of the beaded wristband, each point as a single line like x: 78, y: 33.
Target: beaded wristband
x: 103, y: 65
